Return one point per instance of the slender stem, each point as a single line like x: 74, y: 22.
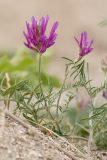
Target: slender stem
x: 82, y: 127
x: 46, y: 106
x: 77, y: 137
x: 60, y: 93
x: 90, y: 139
x: 39, y: 68
x: 61, y: 90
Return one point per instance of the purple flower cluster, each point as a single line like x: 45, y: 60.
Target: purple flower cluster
x: 36, y: 38
x: 84, y: 44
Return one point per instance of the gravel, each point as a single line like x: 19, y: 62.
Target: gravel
x: 16, y: 144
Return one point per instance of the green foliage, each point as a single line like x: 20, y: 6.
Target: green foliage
x: 24, y: 65
x: 41, y: 103
x: 101, y: 141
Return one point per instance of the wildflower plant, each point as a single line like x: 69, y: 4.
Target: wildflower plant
x: 55, y: 108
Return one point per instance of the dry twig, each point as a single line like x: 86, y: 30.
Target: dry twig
x: 30, y: 131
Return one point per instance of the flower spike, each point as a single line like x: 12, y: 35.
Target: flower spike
x: 84, y: 44
x: 36, y: 38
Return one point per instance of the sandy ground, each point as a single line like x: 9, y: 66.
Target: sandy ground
x: 74, y: 16
x: 17, y: 142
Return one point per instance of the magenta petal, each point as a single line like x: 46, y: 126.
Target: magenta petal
x: 81, y: 39
x: 36, y: 38
x: 91, y: 43
x: 46, y: 22
x: 54, y: 27
x: 85, y: 46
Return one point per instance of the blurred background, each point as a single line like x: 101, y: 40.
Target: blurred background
x: 74, y: 16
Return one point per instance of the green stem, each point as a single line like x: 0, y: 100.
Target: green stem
x: 40, y: 60
x: 60, y: 93
x: 39, y: 68
x: 46, y: 107
x: 90, y: 139
x: 61, y: 90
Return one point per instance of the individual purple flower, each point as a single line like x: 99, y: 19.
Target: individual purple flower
x: 36, y: 38
x: 85, y: 45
